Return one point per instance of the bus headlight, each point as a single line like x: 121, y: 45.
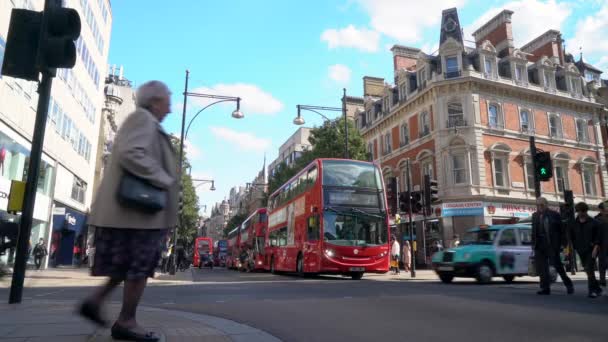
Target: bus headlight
x: 259, y: 262
x: 329, y: 252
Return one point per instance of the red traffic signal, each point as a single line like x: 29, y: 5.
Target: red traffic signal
x: 22, y: 45
x: 60, y: 27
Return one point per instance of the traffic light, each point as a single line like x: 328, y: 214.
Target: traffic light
x: 404, y: 202
x: 41, y: 41
x: 416, y: 202
x: 431, y: 191
x: 22, y: 45
x: 60, y: 28
x: 391, y: 195
x: 543, y: 166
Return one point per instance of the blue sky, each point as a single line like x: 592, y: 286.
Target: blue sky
x: 277, y: 54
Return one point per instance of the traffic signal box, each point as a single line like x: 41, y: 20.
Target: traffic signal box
x: 41, y: 41
x: 392, y: 195
x: 431, y: 193
x: 543, y: 166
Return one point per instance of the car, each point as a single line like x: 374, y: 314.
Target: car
x: 488, y: 251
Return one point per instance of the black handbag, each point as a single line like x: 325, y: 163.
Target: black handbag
x: 137, y: 193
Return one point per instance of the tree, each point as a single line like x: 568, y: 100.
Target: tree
x: 188, y: 224
x: 327, y: 142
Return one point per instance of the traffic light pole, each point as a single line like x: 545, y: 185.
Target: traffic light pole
x: 537, y: 193
x: 409, y: 214
x: 29, y: 200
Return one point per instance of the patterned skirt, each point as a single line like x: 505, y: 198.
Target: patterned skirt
x: 127, y: 254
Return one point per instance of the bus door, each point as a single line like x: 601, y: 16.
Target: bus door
x: 312, y: 248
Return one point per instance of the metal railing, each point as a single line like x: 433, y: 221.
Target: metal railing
x: 456, y: 122
x: 452, y: 74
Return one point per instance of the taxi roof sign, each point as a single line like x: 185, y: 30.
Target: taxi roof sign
x: 483, y: 226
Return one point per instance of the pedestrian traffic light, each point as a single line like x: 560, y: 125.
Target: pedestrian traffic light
x: 404, y: 202
x: 60, y: 28
x: 543, y: 166
x: 416, y: 202
x: 392, y: 196
x: 22, y: 45
x: 431, y: 191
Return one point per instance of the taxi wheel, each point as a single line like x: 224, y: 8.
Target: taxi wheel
x: 485, y: 272
x: 356, y: 275
x: 508, y: 278
x: 300, y: 266
x: 446, y: 278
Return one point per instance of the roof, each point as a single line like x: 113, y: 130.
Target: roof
x: 500, y: 227
x: 581, y: 64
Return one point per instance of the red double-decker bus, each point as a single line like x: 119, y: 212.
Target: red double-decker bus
x: 253, y: 233
x: 203, y: 252
x: 232, y: 251
x: 330, y: 218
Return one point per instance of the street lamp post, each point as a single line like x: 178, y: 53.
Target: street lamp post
x: 237, y: 114
x: 315, y: 109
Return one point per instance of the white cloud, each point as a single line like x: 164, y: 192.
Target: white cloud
x: 406, y: 20
x: 193, y: 152
x: 243, y: 140
x: 253, y: 99
x: 602, y: 64
x: 352, y: 37
x: 530, y: 19
x: 339, y: 73
x: 592, y: 33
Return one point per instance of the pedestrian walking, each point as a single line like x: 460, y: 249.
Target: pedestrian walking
x: 548, y: 237
x: 603, y: 239
x: 407, y: 256
x: 395, y: 251
x: 585, y: 233
x: 135, y: 206
x: 40, y: 252
x: 456, y: 241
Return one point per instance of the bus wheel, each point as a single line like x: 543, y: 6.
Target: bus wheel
x: 272, y: 270
x: 508, y: 278
x: 356, y: 275
x: 300, y: 265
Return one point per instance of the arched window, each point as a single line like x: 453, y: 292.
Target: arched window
x: 455, y: 114
x: 458, y: 162
x: 405, y: 134
x: 526, y: 122
x: 560, y: 171
x: 499, y: 153
x: 425, y: 124
x: 588, y: 168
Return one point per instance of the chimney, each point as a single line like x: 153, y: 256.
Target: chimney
x: 548, y: 44
x: 120, y: 73
x: 499, y: 32
x: 373, y: 86
x: 404, y: 57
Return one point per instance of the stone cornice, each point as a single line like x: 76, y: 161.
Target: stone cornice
x: 492, y: 24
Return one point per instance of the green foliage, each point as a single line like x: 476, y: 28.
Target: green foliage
x: 327, y: 142
x: 190, y: 214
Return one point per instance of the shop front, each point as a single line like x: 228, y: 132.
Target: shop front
x: 69, y: 237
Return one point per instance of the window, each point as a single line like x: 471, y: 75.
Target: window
x: 451, y: 66
x: 370, y: 151
x: 2, y: 47
x: 385, y: 106
x: 495, y: 116
x: 508, y: 238
x: 422, y: 78
x: 529, y: 176
x: 547, y: 79
x: 79, y: 189
x: 561, y: 178
x: 313, y: 228
x: 405, y: 135
x: 519, y: 72
x: 525, y: 236
x: 488, y: 66
x: 500, y: 172
x: 387, y: 143
x: 581, y: 131
x: 402, y: 91
x: 427, y: 167
x: 525, y: 121
x: 425, y: 124
x: 455, y: 115
x: 458, y: 168
x: 574, y: 85
x: 555, y: 126
x: 589, y: 180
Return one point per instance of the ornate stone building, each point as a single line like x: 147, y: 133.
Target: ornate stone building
x: 464, y: 116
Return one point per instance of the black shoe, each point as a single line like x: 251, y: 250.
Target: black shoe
x: 570, y: 290
x: 602, y: 283
x: 91, y: 312
x: 543, y: 292
x: 122, y: 333
x: 592, y: 295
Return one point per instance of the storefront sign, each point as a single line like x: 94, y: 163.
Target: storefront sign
x: 509, y: 209
x: 462, y: 209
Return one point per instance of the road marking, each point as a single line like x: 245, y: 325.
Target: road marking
x: 347, y: 297
x: 49, y: 293
x: 220, y: 301
x: 168, y: 303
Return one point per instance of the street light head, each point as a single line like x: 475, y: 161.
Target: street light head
x: 299, y: 121
x: 237, y: 114
x: 212, y: 186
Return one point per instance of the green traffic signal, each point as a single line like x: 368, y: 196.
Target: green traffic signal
x: 543, y: 171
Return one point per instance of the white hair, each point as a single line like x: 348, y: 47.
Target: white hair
x: 150, y: 91
x: 542, y: 200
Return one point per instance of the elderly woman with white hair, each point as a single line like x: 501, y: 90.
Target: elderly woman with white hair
x: 134, y: 208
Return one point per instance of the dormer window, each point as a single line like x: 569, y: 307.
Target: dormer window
x: 422, y: 78
x: 488, y: 66
x: 575, y: 85
x: 548, y: 79
x: 402, y: 91
x: 520, y: 73
x: 451, y: 67
x: 385, y: 106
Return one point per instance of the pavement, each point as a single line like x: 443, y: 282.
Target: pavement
x: 39, y: 319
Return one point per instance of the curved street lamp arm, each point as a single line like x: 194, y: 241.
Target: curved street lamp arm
x: 335, y: 109
x: 312, y: 110
x: 207, y: 106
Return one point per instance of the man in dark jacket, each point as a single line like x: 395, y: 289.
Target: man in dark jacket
x: 585, y: 238
x: 603, y: 251
x: 547, y: 241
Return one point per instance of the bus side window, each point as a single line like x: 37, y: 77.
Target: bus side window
x: 313, y: 228
x: 283, y: 236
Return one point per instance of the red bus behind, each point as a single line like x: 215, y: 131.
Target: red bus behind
x: 203, y: 247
